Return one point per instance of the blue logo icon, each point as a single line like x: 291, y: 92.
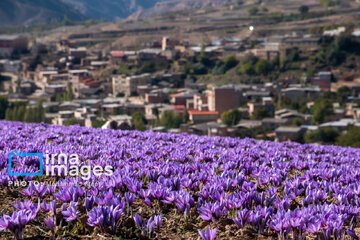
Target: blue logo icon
x: 40, y: 155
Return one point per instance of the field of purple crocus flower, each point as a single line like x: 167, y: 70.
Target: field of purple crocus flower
x: 167, y: 186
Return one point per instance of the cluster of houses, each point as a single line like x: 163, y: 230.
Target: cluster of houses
x: 75, y: 82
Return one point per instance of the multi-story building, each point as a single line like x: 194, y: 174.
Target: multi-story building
x: 196, y: 116
x: 54, y: 89
x: 10, y: 43
x: 128, y: 84
x: 180, y: 98
x: 221, y: 99
x: 155, y: 97
x: 78, y: 53
x: 168, y: 43
x: 322, y: 80
x: 201, y: 102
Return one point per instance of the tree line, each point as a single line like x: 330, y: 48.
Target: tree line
x: 20, y: 111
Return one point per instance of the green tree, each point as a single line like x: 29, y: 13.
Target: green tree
x: 4, y: 104
x: 35, y: 114
x: 247, y: 69
x: 230, y: 62
x: 40, y: 113
x: 279, y: 102
x: 202, y: 58
x: 169, y: 119
x: 250, y: 59
x: 148, y: 67
x: 260, y: 113
x: 120, y: 94
x: 186, y: 116
x: 123, y: 69
x: 231, y: 118
x: 58, y: 98
x: 322, y: 108
x: 219, y: 69
x: 199, y: 68
x: 155, y: 111
x: 19, y: 113
x: 329, y: 3
x: 18, y: 83
x: 9, y: 114
x: 28, y: 117
x: 350, y: 138
x: 98, y: 123
x: 139, y: 121
x: 324, y: 136
x: 73, y: 121
x: 69, y: 95
x: 310, y: 72
x: 297, y: 122
x: 253, y: 11
x: 293, y: 56
x: 303, y: 9
x: 262, y: 67
x: 343, y: 93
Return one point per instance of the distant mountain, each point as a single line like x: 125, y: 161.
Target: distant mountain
x: 110, y: 9
x: 25, y: 12
x: 178, y: 5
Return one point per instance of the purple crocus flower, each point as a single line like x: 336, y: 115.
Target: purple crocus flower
x: 51, y: 189
x: 314, y: 227
x: 138, y: 221
x: 144, y: 193
x: 208, y: 234
x: 158, y: 221
x: 130, y: 198
x: 50, y: 223
x: 104, y: 217
x: 26, y: 205
x: 211, y: 211
x: 104, y: 198
x: 63, y: 195
x: 150, y: 226
x: 70, y: 214
x: 89, y: 202
x: 96, y: 217
x: 4, y: 222
x: 170, y: 198
x: 242, y: 218
x: 148, y: 202
x: 205, y: 212
x: 28, y: 191
x: 69, y: 194
x: 40, y: 190
x: 133, y: 185
x: 16, y: 222
x: 352, y: 233
x: 47, y: 207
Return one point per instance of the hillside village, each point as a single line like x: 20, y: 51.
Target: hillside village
x: 180, y: 119
x: 161, y: 85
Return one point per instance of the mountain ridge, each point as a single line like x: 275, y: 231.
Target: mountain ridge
x: 177, y: 5
x: 110, y: 9
x: 26, y: 12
